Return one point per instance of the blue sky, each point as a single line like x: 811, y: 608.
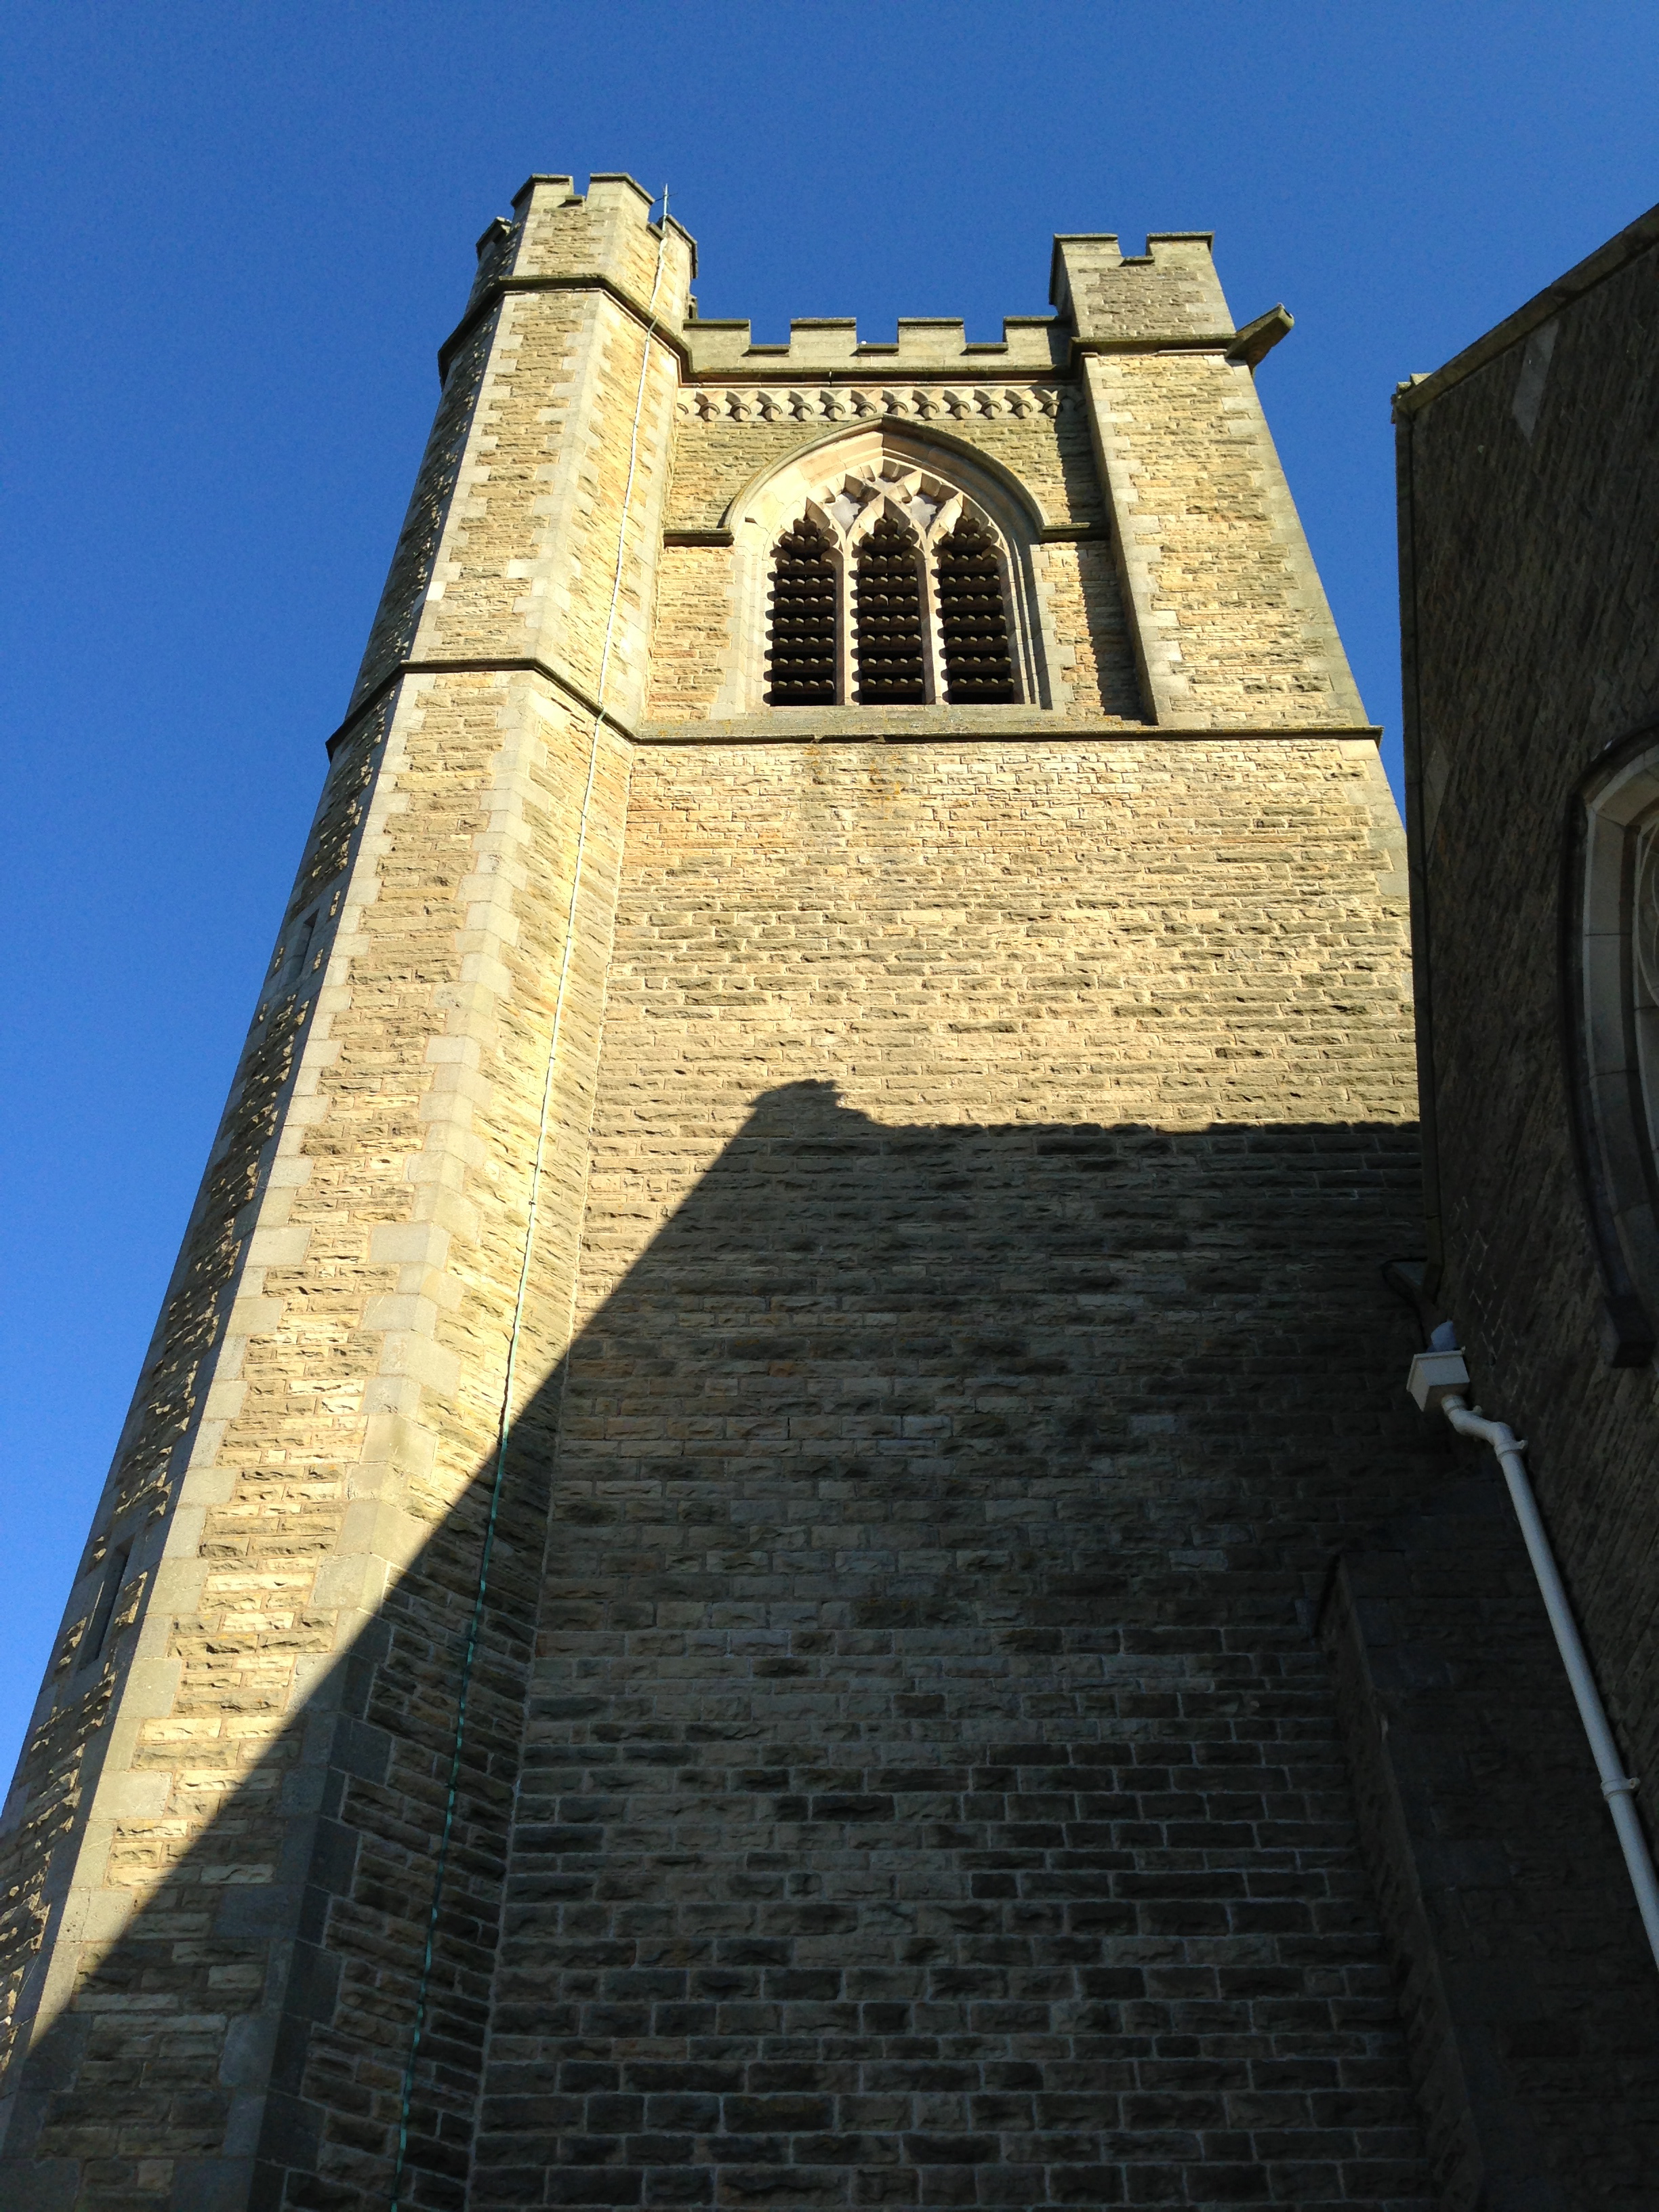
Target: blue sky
x: 237, y: 234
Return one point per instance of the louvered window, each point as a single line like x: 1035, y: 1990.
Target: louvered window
x: 889, y: 637
x: 889, y: 588
x: 973, y: 619
x: 800, y: 658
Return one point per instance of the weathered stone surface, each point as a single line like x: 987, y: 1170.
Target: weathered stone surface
x: 849, y: 1731
x: 1233, y: 623
x: 1528, y: 477
x: 244, y: 1862
x: 929, y: 1790
x: 1526, y: 1979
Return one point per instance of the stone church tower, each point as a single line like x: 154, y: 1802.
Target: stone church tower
x: 709, y: 1595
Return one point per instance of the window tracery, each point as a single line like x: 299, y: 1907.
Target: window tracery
x: 1612, y: 994
x: 888, y: 584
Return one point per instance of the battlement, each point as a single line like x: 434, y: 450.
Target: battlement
x: 606, y: 232
x: 1169, y: 295
x: 1171, y: 292
x: 820, y: 345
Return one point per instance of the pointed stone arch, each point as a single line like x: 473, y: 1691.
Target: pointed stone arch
x: 843, y: 487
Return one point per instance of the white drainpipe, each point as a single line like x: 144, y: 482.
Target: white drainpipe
x: 1439, y: 1378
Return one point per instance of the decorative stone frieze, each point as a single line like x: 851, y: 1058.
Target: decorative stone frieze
x: 986, y: 403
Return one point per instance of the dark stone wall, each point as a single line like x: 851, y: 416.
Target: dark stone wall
x: 1531, y: 617
x: 1530, y: 2003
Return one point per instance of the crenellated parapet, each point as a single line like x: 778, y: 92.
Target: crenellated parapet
x: 1168, y: 295
x: 605, y: 232
x: 824, y: 346
x: 603, y: 239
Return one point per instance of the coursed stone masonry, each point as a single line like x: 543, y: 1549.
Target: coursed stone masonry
x: 1528, y: 477
x: 896, y: 1765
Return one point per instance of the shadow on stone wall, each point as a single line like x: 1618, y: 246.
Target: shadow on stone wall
x: 1527, y: 1984
x: 899, y: 1768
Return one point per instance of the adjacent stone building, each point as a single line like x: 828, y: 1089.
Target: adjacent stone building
x: 1529, y: 497
x: 718, y: 1590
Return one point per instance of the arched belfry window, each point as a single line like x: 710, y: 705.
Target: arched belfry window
x: 973, y: 618
x: 867, y: 577
x: 801, y: 644
x: 890, y: 652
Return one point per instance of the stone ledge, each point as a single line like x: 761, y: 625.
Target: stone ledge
x: 791, y: 725
x: 462, y: 665
x: 658, y: 327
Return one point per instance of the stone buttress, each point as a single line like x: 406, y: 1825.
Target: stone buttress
x: 256, y: 1759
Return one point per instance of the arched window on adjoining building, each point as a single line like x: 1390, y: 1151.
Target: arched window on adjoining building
x: 865, y: 577
x: 1611, y: 996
